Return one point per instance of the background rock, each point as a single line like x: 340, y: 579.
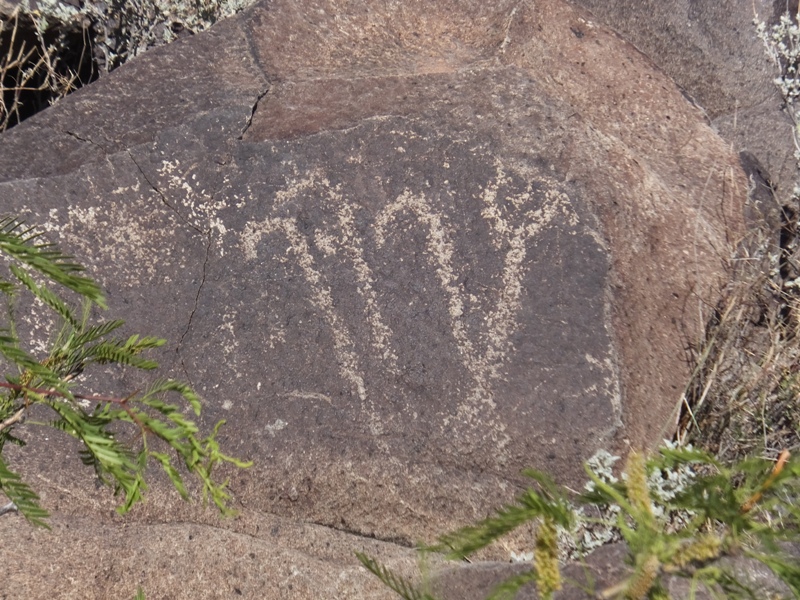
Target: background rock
x: 404, y: 252
x: 269, y: 558
x: 711, y: 50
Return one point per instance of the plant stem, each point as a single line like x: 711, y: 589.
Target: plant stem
x: 10, y: 507
x: 45, y: 392
x: 15, y: 418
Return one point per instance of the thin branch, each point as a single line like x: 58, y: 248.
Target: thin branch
x: 45, y: 392
x: 123, y: 402
x: 10, y: 507
x: 15, y: 418
x: 753, y: 500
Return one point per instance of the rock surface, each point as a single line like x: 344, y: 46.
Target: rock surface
x: 711, y: 50
x: 405, y: 252
x: 601, y: 570
x: 268, y: 558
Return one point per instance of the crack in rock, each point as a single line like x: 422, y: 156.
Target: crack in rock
x: 179, y: 347
x: 395, y: 540
x: 85, y: 140
x: 252, y: 114
x: 208, y: 244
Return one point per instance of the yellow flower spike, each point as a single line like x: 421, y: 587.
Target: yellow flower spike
x: 642, y: 581
x: 638, y: 492
x: 545, y: 560
x: 706, y: 547
x: 26, y: 378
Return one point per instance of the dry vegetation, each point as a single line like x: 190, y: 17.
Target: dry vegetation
x: 34, y: 69
x: 46, y: 55
x: 742, y: 400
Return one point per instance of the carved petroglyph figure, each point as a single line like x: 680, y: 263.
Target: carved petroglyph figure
x: 512, y: 229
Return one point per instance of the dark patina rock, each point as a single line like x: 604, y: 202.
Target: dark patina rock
x: 712, y: 52
x: 405, y: 252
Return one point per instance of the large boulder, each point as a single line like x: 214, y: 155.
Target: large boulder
x: 406, y: 251
x: 711, y: 50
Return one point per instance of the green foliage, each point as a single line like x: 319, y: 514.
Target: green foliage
x: 747, y: 509
x: 399, y: 585
x: 21, y: 495
x: 24, y: 245
x: 38, y: 269
x: 548, y: 502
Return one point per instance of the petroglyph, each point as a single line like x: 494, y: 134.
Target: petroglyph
x: 610, y: 382
x: 227, y: 330
x: 200, y: 208
x: 344, y: 347
x: 275, y: 427
x: 315, y: 396
x: 353, y: 249
x: 515, y: 220
x: 127, y: 239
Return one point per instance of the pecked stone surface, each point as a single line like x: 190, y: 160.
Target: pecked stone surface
x: 405, y: 252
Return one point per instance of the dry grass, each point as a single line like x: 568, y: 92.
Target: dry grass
x: 32, y: 71
x: 743, y: 397
x: 45, y: 56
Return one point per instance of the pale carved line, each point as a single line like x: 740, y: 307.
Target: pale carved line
x: 301, y: 395
x: 349, y: 242
x: 441, y: 249
x: 344, y: 347
x: 381, y: 333
x: 500, y: 322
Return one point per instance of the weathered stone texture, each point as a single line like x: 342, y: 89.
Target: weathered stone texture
x: 405, y: 252
x: 711, y: 50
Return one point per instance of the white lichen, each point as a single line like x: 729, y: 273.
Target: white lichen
x: 596, y: 526
x: 782, y: 45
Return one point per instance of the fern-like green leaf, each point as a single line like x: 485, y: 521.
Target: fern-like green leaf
x: 399, y: 585
x: 530, y: 505
x: 110, y: 459
x: 172, y: 473
x: 44, y: 294
x: 126, y: 353
x: 6, y: 337
x: 22, y: 496
x: 20, y: 243
x: 42, y: 376
x: 92, y: 334
x: 163, y: 386
x: 76, y: 350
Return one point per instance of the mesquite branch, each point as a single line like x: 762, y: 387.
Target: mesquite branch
x: 19, y: 415
x: 15, y: 418
x: 45, y: 392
